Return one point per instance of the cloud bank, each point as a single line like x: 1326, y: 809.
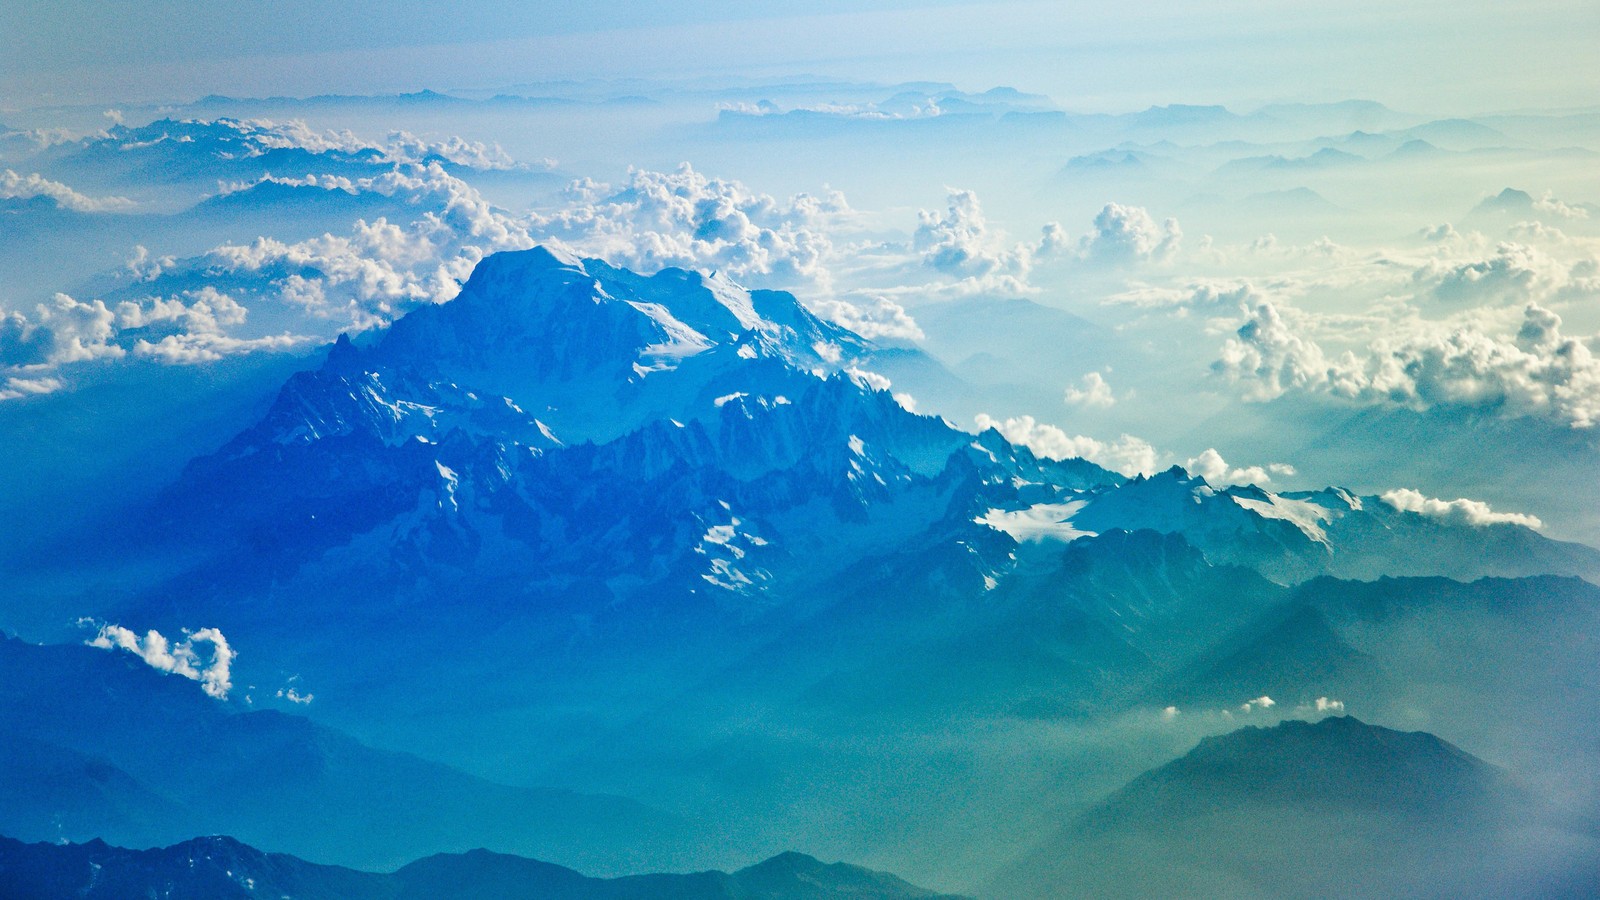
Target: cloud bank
x: 1538, y: 373
x: 1126, y: 455
x: 1474, y: 513
x: 28, y: 187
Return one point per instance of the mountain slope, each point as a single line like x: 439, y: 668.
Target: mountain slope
x: 1336, y: 807
x: 92, y: 738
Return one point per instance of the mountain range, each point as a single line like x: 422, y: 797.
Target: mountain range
x: 658, y: 566
x: 1333, y: 808
x: 217, y: 868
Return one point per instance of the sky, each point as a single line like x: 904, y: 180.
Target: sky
x: 1449, y: 57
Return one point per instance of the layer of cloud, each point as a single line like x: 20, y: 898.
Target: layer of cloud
x: 1454, y: 512
x: 1205, y: 296
x: 1513, y: 273
x: 269, y: 294
x: 1215, y: 470
x: 186, y: 328
x: 872, y: 317
x: 689, y: 220
x: 381, y: 269
x: 1126, y: 455
x: 29, y: 187
x: 1539, y: 372
x: 252, y: 138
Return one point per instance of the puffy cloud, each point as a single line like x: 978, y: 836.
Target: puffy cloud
x: 1053, y: 241
x: 1128, y: 234
x: 141, y: 266
x: 1127, y: 455
x: 186, y: 328
x: 188, y: 657
x: 291, y: 692
x: 28, y: 187
x: 1539, y: 373
x: 1454, y: 512
x: 1268, y: 356
x: 61, y: 331
x: 1262, y: 702
x: 1549, y: 204
x: 960, y: 243
x: 686, y: 219
x: 872, y: 318
x: 1215, y: 470
x: 195, y: 310
x: 380, y: 269
x: 1514, y: 273
x: 1093, y: 391
x: 174, y: 331
x: 968, y: 255
x: 867, y: 379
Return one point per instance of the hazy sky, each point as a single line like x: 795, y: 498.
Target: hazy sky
x: 1447, y: 56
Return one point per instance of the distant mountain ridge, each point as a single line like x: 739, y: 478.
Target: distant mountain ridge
x: 90, y: 742
x: 1307, y: 809
x: 220, y: 868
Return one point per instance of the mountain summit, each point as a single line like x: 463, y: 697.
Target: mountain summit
x: 1308, y: 809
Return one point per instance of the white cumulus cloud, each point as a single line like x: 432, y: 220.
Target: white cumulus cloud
x: 203, y: 655
x: 689, y: 220
x: 1262, y: 702
x: 960, y: 243
x: 1126, y: 455
x: 1128, y: 234
x: 1539, y: 372
x: 27, y: 187
x: 1454, y: 512
x: 1091, y: 391
x: 872, y: 317
x: 1215, y: 470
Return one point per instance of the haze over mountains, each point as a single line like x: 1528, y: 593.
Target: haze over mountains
x: 479, y: 487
